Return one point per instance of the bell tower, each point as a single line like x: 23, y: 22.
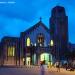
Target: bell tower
x: 59, y: 30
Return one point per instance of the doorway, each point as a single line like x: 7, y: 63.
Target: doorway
x: 28, y: 61
x: 46, y: 57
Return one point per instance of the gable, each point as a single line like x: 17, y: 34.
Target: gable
x: 34, y: 31
x: 34, y: 27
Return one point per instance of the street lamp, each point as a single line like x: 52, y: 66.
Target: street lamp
x: 51, y: 46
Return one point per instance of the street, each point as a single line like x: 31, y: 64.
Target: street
x: 33, y: 71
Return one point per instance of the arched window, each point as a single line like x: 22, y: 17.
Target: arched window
x: 40, y: 39
x: 51, y: 43
x: 28, y: 41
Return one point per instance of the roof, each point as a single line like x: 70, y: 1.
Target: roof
x: 35, y: 26
x: 57, y: 10
x: 10, y: 38
x: 58, y: 7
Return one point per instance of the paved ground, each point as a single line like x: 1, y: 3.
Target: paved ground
x: 33, y: 71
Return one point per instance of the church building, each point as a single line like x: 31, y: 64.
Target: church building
x: 35, y: 44
x: 38, y: 44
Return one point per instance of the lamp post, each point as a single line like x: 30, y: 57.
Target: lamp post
x: 51, y: 46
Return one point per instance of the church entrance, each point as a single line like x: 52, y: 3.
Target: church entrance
x: 28, y: 61
x: 46, y: 58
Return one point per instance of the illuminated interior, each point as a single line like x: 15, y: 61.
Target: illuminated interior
x: 11, y: 51
x: 46, y: 57
x: 27, y: 60
x: 28, y: 41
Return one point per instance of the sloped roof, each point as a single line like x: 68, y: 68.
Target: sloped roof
x: 35, y: 26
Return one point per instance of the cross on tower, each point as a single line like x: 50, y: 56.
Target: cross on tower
x: 40, y: 19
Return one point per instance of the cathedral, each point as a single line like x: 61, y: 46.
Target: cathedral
x: 38, y: 44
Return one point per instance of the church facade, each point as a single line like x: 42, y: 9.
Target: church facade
x: 38, y: 44
x: 35, y: 44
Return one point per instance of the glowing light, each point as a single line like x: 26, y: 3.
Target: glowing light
x: 35, y: 44
x: 51, y: 43
x: 44, y: 56
x: 40, y: 44
x: 47, y: 57
x: 28, y: 61
x: 28, y: 41
x: 11, y: 51
x: 23, y: 59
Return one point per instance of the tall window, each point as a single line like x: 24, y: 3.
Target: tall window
x: 28, y: 41
x: 51, y: 43
x: 11, y: 51
x: 40, y: 39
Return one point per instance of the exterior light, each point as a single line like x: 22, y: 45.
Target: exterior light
x: 40, y: 44
x: 32, y: 44
x: 35, y: 44
x: 23, y: 59
x: 51, y: 43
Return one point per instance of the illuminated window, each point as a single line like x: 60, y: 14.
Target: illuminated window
x: 51, y: 43
x: 28, y: 41
x: 40, y: 39
x: 11, y: 51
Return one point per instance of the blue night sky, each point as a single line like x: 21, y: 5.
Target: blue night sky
x: 21, y: 14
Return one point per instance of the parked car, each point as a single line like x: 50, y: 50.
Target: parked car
x: 70, y: 66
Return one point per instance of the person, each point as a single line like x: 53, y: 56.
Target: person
x: 66, y: 64
x: 58, y: 66
x: 42, y: 69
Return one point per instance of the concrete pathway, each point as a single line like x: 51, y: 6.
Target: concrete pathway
x: 33, y: 70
